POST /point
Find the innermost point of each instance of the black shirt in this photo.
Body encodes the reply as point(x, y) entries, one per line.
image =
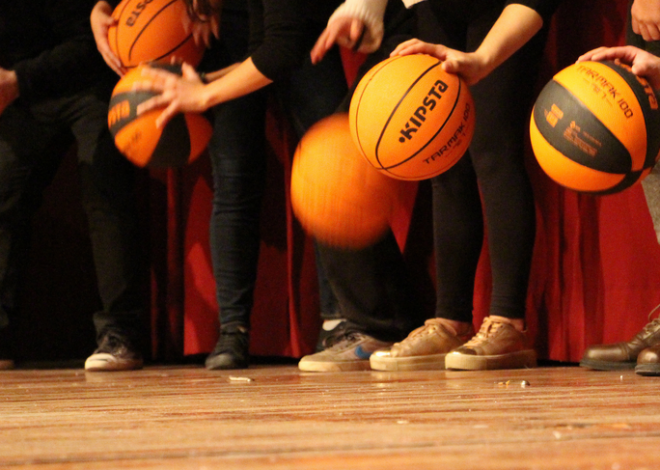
point(49, 43)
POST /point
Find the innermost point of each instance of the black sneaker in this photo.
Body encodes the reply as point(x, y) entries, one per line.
point(231, 351)
point(116, 351)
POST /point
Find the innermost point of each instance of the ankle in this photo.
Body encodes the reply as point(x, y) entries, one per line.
point(517, 323)
point(459, 328)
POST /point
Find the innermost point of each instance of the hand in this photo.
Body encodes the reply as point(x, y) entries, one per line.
point(101, 20)
point(645, 16)
point(344, 31)
point(8, 88)
point(472, 67)
point(177, 94)
point(644, 64)
point(202, 30)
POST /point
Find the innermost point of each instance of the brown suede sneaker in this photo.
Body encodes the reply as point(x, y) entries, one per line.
point(622, 355)
point(497, 345)
point(425, 348)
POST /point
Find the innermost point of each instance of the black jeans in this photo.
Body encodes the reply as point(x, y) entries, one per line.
point(238, 158)
point(33, 140)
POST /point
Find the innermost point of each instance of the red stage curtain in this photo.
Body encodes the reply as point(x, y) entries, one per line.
point(595, 263)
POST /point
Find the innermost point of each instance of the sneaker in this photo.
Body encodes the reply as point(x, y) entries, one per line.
point(116, 352)
point(622, 355)
point(424, 349)
point(231, 351)
point(329, 330)
point(497, 345)
point(350, 351)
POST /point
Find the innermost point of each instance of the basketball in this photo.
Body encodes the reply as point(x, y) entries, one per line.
point(595, 128)
point(338, 197)
point(411, 119)
point(180, 142)
point(152, 31)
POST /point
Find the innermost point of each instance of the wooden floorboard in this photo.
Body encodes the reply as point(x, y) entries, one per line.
point(187, 417)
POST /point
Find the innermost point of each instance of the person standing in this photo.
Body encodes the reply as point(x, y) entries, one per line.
point(642, 352)
point(54, 92)
point(488, 44)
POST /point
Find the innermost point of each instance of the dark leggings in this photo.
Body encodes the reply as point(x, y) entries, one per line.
point(493, 172)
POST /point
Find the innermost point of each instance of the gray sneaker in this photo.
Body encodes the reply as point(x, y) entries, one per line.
point(351, 351)
point(116, 352)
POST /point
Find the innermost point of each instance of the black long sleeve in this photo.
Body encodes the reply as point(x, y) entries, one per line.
point(49, 43)
point(282, 32)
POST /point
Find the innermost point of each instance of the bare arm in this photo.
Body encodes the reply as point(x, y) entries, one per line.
point(188, 94)
point(516, 25)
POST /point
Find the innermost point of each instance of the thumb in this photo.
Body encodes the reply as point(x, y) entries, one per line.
point(188, 72)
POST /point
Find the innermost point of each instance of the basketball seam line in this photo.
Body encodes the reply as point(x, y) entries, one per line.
point(130, 51)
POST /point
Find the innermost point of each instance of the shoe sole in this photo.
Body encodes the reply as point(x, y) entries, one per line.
point(516, 360)
point(430, 362)
point(109, 363)
point(648, 369)
point(317, 366)
point(606, 365)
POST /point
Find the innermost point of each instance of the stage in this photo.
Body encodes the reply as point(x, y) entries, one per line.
point(274, 416)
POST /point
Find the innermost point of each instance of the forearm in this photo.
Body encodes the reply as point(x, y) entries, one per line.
point(516, 25)
point(243, 79)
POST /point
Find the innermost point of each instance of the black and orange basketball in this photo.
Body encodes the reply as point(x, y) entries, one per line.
point(595, 127)
point(152, 31)
point(411, 119)
point(180, 142)
point(338, 197)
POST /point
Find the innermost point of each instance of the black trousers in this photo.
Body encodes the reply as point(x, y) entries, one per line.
point(33, 140)
point(493, 171)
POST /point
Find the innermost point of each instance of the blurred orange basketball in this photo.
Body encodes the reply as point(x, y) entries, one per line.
point(339, 198)
point(152, 31)
point(411, 119)
point(180, 142)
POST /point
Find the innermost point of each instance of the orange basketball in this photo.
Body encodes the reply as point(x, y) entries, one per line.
point(152, 31)
point(339, 198)
point(595, 128)
point(180, 142)
point(411, 119)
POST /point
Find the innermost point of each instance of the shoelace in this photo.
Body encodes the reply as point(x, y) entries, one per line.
point(652, 323)
point(488, 327)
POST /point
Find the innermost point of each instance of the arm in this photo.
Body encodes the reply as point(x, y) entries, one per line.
point(516, 25)
point(644, 64)
point(355, 24)
point(189, 94)
point(101, 20)
point(72, 63)
point(277, 29)
point(8, 88)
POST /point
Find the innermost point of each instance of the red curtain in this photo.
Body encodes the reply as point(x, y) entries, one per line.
point(595, 263)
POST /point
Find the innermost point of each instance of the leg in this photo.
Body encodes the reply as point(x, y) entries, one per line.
point(239, 170)
point(108, 195)
point(497, 152)
point(238, 159)
point(642, 352)
point(27, 165)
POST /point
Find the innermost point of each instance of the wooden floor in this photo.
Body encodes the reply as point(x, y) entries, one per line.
point(278, 417)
